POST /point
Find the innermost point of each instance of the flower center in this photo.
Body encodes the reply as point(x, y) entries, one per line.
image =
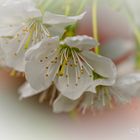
point(68, 61)
point(31, 32)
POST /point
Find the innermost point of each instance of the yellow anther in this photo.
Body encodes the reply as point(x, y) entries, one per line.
point(62, 69)
point(13, 73)
point(26, 46)
point(76, 84)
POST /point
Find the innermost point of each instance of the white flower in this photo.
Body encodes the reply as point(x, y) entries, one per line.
point(23, 25)
point(27, 91)
point(68, 64)
point(126, 87)
point(122, 91)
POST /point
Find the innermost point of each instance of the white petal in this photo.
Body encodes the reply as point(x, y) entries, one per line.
point(52, 19)
point(103, 82)
point(57, 30)
point(119, 95)
point(27, 91)
point(47, 44)
point(73, 91)
point(14, 12)
point(82, 42)
point(9, 47)
point(102, 65)
point(9, 31)
point(36, 74)
point(35, 70)
point(129, 85)
point(63, 104)
point(91, 89)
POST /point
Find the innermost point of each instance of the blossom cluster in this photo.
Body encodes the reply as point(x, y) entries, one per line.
point(63, 69)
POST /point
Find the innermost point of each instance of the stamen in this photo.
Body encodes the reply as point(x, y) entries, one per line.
point(87, 71)
point(50, 64)
point(13, 73)
point(79, 61)
point(33, 31)
point(83, 109)
point(36, 31)
point(76, 77)
point(46, 32)
point(27, 43)
point(73, 58)
point(67, 75)
point(76, 72)
point(86, 62)
point(103, 99)
point(53, 93)
point(57, 71)
point(43, 96)
point(22, 43)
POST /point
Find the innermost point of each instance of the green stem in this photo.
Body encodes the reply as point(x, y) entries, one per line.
point(95, 23)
